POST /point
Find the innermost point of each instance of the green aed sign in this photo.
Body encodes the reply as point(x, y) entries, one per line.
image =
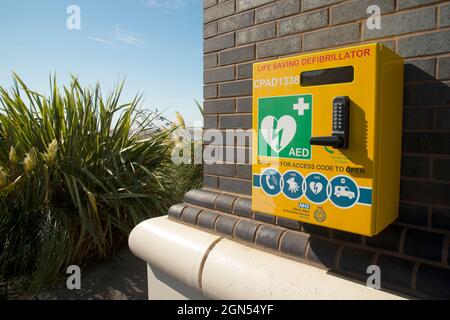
point(285, 126)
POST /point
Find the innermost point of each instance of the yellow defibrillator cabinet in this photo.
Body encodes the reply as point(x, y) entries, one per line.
point(327, 145)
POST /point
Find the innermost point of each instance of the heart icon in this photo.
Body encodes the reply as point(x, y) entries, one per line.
point(278, 133)
point(316, 187)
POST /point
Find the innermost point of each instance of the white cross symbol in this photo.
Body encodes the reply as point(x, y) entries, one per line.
point(301, 106)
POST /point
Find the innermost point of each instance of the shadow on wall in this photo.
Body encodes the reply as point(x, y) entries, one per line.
point(424, 135)
point(426, 113)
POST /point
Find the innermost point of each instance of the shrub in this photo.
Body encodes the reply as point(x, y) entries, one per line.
point(77, 174)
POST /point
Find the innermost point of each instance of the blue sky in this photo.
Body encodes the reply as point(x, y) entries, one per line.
point(155, 44)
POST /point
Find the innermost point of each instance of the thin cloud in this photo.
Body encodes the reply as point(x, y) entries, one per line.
point(100, 40)
point(128, 37)
point(167, 4)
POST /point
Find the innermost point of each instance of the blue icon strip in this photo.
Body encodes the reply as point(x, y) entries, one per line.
point(365, 194)
point(257, 181)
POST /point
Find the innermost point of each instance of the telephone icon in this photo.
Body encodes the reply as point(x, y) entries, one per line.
point(271, 182)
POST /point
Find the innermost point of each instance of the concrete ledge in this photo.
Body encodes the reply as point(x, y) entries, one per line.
point(173, 248)
point(219, 268)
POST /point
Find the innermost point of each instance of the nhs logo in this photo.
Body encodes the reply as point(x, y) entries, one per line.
point(302, 205)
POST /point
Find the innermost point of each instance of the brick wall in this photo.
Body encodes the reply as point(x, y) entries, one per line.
point(237, 33)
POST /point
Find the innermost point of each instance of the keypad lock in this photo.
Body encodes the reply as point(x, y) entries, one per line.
point(341, 120)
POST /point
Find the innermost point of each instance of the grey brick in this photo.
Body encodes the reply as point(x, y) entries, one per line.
point(279, 47)
point(331, 37)
point(388, 239)
point(357, 9)
point(224, 202)
point(243, 207)
point(244, 171)
point(219, 11)
point(236, 55)
point(440, 217)
point(388, 43)
point(355, 260)
point(176, 210)
point(244, 104)
point(190, 215)
point(294, 243)
point(424, 44)
point(225, 224)
point(220, 169)
point(407, 22)
point(347, 236)
point(415, 166)
point(413, 214)
point(423, 244)
point(288, 223)
point(315, 229)
point(303, 22)
point(443, 118)
point(277, 10)
point(236, 22)
point(218, 43)
point(425, 192)
point(395, 270)
point(269, 236)
point(418, 118)
point(209, 60)
point(434, 281)
point(218, 75)
point(312, 4)
point(210, 91)
point(258, 33)
point(420, 70)
point(403, 4)
point(245, 70)
point(235, 185)
point(444, 68)
point(235, 88)
point(210, 122)
point(239, 121)
point(444, 16)
point(242, 5)
point(201, 198)
point(219, 106)
point(246, 229)
point(426, 94)
point(208, 3)
point(265, 217)
point(207, 219)
point(210, 29)
point(210, 181)
point(441, 169)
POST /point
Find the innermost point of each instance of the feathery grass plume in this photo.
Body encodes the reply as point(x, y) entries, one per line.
point(50, 155)
point(13, 156)
point(180, 120)
point(29, 163)
point(3, 178)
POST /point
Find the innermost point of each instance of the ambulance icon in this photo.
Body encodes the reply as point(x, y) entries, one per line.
point(343, 191)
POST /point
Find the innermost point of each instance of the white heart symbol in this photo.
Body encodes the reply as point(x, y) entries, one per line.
point(278, 133)
point(316, 187)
